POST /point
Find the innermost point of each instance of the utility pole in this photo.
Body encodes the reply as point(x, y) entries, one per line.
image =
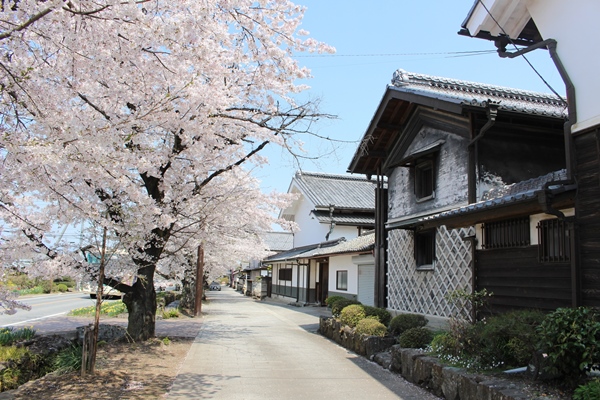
point(199, 280)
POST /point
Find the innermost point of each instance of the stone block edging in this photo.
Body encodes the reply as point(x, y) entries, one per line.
point(421, 369)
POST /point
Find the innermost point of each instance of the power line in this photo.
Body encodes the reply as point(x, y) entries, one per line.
point(447, 53)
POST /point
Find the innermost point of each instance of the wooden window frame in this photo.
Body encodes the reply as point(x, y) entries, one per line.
point(425, 179)
point(285, 275)
point(425, 249)
point(341, 284)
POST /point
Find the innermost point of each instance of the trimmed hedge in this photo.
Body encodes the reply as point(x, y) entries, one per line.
point(381, 314)
point(352, 314)
point(415, 338)
point(371, 327)
point(403, 322)
point(339, 305)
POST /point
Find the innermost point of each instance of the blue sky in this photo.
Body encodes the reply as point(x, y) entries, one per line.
point(375, 38)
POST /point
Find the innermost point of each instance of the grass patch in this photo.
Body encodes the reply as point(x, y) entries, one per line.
point(107, 309)
point(68, 360)
point(9, 335)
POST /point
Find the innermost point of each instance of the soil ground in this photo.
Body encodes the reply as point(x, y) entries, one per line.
point(123, 370)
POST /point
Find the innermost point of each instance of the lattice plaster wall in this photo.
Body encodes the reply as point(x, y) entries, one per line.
point(423, 292)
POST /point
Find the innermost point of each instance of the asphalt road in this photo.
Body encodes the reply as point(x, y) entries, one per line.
point(46, 306)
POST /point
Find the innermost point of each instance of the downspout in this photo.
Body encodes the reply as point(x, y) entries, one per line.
point(492, 113)
point(546, 195)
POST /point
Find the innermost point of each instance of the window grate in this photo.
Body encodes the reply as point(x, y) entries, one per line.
point(506, 234)
point(554, 238)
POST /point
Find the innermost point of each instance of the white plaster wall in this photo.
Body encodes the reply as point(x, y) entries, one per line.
point(311, 231)
point(574, 25)
point(343, 263)
point(451, 176)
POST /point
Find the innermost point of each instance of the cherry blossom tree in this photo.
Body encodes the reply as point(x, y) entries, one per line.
point(142, 117)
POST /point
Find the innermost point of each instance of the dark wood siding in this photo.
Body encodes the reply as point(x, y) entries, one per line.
point(587, 173)
point(518, 280)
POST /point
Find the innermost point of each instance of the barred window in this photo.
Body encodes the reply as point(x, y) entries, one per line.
point(506, 234)
point(554, 240)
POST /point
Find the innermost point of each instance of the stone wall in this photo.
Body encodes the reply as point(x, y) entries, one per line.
point(366, 346)
point(421, 369)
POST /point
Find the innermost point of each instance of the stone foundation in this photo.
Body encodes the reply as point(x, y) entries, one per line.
point(421, 369)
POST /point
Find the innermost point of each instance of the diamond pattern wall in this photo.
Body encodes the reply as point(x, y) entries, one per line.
point(423, 292)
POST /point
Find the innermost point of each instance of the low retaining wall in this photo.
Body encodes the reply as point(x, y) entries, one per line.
point(423, 370)
point(366, 346)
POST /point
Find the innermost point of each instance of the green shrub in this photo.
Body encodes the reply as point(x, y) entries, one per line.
point(571, 339)
point(444, 345)
point(68, 360)
point(403, 322)
point(338, 305)
point(61, 287)
point(509, 338)
point(589, 391)
point(332, 299)
point(371, 327)
point(382, 314)
point(8, 335)
point(33, 290)
point(351, 314)
point(415, 338)
point(171, 313)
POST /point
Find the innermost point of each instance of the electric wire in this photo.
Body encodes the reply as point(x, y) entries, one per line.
point(446, 53)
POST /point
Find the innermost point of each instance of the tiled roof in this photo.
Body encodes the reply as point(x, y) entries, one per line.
point(479, 94)
point(302, 252)
point(342, 191)
point(278, 241)
point(507, 194)
point(345, 219)
point(359, 244)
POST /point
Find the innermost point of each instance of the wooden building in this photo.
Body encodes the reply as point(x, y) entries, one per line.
point(471, 169)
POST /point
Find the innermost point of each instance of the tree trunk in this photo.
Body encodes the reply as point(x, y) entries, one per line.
point(141, 306)
point(188, 287)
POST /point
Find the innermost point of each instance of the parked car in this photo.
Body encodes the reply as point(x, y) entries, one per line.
point(214, 286)
point(107, 292)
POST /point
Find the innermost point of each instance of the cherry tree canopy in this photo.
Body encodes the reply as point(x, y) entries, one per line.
point(140, 117)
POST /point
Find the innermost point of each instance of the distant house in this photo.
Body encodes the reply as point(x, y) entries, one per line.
point(351, 268)
point(275, 242)
point(328, 210)
point(565, 29)
point(298, 277)
point(452, 149)
point(330, 206)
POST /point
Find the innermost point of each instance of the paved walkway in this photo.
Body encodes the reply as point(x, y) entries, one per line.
point(248, 349)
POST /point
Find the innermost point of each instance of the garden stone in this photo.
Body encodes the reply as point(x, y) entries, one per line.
point(396, 365)
point(384, 359)
point(451, 377)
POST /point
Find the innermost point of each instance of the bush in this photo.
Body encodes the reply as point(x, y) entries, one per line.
point(403, 322)
point(68, 360)
point(171, 313)
point(61, 287)
point(371, 327)
point(332, 299)
point(338, 305)
point(589, 391)
point(571, 339)
point(509, 338)
point(382, 314)
point(415, 338)
point(352, 314)
point(8, 335)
